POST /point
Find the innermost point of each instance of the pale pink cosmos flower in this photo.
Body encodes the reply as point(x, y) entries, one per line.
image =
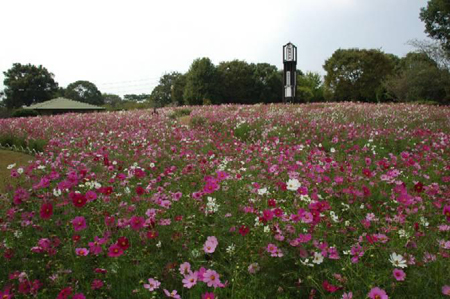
point(81, 251)
point(211, 278)
point(399, 274)
point(190, 280)
point(185, 268)
point(210, 244)
point(172, 294)
point(348, 295)
point(152, 284)
point(446, 290)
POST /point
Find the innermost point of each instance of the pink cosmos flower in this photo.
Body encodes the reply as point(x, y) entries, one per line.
point(96, 284)
point(137, 222)
point(377, 293)
point(211, 278)
point(446, 212)
point(399, 274)
point(172, 294)
point(152, 284)
point(81, 251)
point(79, 296)
point(208, 296)
point(115, 251)
point(190, 280)
point(46, 211)
point(185, 268)
point(91, 195)
point(79, 223)
point(446, 290)
point(348, 295)
point(210, 244)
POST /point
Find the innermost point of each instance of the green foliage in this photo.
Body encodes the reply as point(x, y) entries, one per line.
point(236, 81)
point(268, 83)
point(436, 17)
point(419, 78)
point(201, 82)
point(111, 99)
point(357, 75)
point(162, 94)
point(137, 97)
point(180, 113)
point(198, 121)
point(177, 89)
point(23, 144)
point(27, 85)
point(310, 88)
point(84, 91)
point(24, 113)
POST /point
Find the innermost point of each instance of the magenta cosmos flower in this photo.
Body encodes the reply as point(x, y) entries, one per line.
point(446, 212)
point(446, 290)
point(46, 211)
point(79, 223)
point(377, 293)
point(399, 274)
point(208, 296)
point(115, 250)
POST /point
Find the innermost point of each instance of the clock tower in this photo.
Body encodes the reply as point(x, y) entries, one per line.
point(289, 73)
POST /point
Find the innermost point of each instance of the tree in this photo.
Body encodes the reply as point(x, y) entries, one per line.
point(137, 97)
point(268, 83)
point(357, 75)
point(111, 99)
point(27, 85)
point(201, 83)
point(84, 91)
point(162, 94)
point(310, 87)
point(236, 82)
point(434, 51)
point(177, 89)
point(419, 79)
point(436, 17)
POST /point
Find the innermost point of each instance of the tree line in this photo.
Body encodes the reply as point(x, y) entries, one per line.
point(367, 75)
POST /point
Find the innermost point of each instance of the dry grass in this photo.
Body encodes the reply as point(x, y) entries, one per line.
point(185, 120)
point(7, 158)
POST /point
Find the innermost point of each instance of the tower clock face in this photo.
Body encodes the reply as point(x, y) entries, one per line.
point(290, 53)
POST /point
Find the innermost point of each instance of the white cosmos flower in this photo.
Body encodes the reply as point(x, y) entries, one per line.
point(11, 166)
point(397, 260)
point(293, 184)
point(262, 191)
point(318, 258)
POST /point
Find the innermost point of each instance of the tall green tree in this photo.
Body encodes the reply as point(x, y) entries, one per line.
point(236, 82)
point(418, 78)
point(26, 84)
point(84, 91)
point(268, 83)
point(177, 89)
point(201, 83)
point(436, 17)
point(162, 94)
point(310, 87)
point(357, 75)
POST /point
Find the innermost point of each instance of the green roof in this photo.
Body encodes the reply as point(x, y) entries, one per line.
point(63, 104)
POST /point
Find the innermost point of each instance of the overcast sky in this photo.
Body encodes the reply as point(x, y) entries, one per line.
point(125, 46)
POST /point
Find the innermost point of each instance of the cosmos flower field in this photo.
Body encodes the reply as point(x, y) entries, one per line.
point(341, 200)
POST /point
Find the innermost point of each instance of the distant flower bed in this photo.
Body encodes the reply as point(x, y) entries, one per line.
point(268, 201)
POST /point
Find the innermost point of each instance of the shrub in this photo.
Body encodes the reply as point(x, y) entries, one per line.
point(24, 113)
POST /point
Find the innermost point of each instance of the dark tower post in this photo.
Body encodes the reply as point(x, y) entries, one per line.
point(290, 72)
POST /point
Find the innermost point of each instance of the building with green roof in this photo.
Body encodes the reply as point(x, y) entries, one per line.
point(63, 105)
